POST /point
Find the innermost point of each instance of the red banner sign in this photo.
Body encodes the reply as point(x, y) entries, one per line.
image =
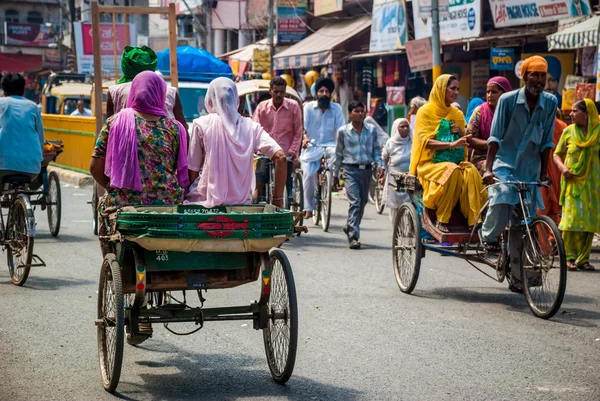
point(30, 35)
point(107, 43)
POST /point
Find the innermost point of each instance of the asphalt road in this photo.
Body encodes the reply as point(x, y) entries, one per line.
point(460, 336)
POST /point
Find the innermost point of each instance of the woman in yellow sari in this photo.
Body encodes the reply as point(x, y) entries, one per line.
point(444, 182)
point(576, 156)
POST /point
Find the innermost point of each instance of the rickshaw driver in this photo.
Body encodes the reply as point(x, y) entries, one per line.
point(519, 149)
point(21, 131)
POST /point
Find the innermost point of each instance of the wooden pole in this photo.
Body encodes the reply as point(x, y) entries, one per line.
point(97, 67)
point(115, 40)
point(173, 46)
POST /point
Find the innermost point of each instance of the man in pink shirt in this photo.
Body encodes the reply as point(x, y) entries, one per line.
point(282, 119)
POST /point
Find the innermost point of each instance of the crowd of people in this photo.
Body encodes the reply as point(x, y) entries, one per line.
point(144, 154)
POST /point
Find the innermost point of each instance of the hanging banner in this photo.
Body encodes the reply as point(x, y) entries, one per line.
point(388, 27)
point(261, 60)
point(84, 46)
point(420, 57)
point(463, 21)
point(525, 12)
point(323, 7)
point(502, 59)
point(291, 21)
point(28, 35)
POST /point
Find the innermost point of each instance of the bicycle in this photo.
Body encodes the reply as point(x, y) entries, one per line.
point(322, 212)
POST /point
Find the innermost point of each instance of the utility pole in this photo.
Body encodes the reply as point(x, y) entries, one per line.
point(209, 40)
point(271, 36)
point(72, 15)
point(197, 26)
point(435, 40)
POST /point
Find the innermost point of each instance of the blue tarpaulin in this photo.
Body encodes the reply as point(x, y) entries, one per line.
point(194, 64)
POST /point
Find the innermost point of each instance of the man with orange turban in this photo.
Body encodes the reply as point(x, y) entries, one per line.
point(518, 150)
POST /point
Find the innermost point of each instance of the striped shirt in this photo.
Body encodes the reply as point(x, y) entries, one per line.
point(355, 148)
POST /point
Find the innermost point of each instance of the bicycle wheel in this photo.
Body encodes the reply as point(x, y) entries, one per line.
point(372, 186)
point(53, 203)
point(110, 322)
point(406, 248)
point(95, 222)
point(379, 200)
point(281, 334)
point(544, 267)
point(20, 232)
point(326, 200)
point(298, 197)
point(317, 211)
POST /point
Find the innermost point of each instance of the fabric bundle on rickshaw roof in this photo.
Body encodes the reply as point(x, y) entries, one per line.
point(136, 60)
point(194, 64)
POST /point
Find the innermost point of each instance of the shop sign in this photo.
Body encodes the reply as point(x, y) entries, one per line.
point(109, 45)
point(463, 21)
point(395, 96)
point(323, 7)
point(526, 12)
point(388, 28)
point(261, 60)
point(420, 57)
point(51, 58)
point(28, 35)
point(291, 21)
point(502, 59)
point(424, 8)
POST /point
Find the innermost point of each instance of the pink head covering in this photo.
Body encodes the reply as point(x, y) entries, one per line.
point(147, 95)
point(486, 112)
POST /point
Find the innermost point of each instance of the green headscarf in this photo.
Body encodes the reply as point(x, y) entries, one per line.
point(136, 60)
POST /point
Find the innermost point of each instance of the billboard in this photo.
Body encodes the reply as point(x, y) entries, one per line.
point(388, 27)
point(525, 12)
point(28, 35)
point(463, 21)
point(291, 21)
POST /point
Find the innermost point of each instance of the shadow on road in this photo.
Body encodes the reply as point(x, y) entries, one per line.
point(223, 378)
point(49, 284)
point(47, 238)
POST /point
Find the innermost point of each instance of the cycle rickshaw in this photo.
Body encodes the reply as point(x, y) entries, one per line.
point(157, 250)
point(20, 196)
point(532, 250)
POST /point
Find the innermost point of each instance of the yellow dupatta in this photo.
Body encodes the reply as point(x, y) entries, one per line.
point(428, 120)
point(581, 167)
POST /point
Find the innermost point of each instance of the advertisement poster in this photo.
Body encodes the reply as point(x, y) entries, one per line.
point(502, 59)
point(588, 61)
point(525, 12)
point(84, 46)
point(419, 54)
point(323, 7)
point(462, 72)
point(261, 60)
point(480, 74)
point(560, 65)
point(28, 35)
point(463, 21)
point(395, 96)
point(291, 21)
point(388, 28)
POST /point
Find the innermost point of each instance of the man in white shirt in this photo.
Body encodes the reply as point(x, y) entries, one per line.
point(81, 110)
point(322, 119)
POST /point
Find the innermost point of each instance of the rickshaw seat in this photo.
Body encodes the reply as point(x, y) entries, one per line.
point(16, 179)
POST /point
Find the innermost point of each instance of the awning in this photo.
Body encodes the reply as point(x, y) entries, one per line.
point(13, 62)
point(377, 54)
point(245, 53)
point(317, 49)
point(584, 34)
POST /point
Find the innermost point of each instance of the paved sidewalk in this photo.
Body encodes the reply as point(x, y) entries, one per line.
point(72, 177)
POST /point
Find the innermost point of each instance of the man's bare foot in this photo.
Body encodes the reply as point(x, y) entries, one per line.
point(442, 227)
point(308, 215)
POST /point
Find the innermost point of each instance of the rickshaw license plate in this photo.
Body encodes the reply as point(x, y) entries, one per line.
point(197, 281)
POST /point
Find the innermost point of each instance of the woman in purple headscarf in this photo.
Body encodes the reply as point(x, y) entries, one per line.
point(140, 156)
point(480, 124)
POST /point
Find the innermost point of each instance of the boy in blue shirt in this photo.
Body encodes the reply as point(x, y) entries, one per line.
point(21, 131)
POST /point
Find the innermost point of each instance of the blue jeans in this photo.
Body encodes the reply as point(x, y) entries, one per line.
point(357, 183)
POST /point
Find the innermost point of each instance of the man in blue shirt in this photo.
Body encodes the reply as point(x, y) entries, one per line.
point(21, 131)
point(356, 150)
point(519, 149)
point(321, 122)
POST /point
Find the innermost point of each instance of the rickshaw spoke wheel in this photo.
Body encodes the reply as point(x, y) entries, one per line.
point(544, 268)
point(53, 203)
point(281, 334)
point(406, 248)
point(110, 322)
point(20, 240)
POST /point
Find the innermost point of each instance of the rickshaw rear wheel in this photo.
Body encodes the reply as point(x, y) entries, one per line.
point(95, 221)
point(544, 268)
point(281, 334)
point(110, 322)
point(407, 248)
point(20, 238)
point(53, 203)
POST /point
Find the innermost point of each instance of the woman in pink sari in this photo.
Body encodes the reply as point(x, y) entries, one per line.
point(140, 156)
point(222, 148)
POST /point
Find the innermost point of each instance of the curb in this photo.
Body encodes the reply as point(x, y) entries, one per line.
point(72, 177)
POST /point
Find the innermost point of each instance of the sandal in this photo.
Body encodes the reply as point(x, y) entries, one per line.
point(571, 266)
point(587, 267)
point(442, 227)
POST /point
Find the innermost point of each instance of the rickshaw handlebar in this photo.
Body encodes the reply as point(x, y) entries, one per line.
point(519, 184)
